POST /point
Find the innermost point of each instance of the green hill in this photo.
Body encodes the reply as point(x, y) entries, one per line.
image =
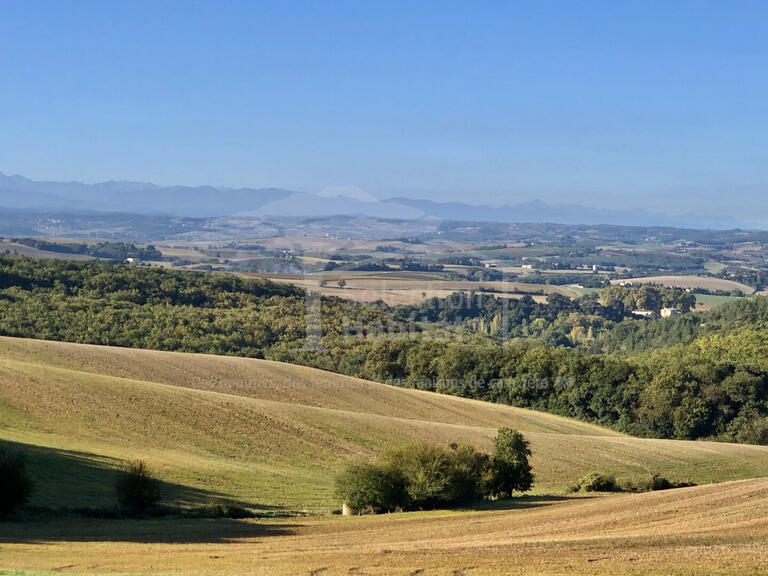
point(273, 435)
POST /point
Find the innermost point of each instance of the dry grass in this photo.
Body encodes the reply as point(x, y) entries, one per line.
point(720, 529)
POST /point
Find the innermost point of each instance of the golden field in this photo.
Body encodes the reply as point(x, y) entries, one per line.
point(716, 529)
point(271, 436)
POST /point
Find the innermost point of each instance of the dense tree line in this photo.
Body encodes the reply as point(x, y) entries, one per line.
point(108, 250)
point(649, 297)
point(157, 308)
point(716, 387)
point(632, 336)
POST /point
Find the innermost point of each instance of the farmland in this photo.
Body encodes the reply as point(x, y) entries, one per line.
point(719, 529)
point(397, 288)
point(249, 426)
point(400, 263)
point(270, 436)
point(692, 282)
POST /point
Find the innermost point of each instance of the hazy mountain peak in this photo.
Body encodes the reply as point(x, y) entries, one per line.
point(347, 191)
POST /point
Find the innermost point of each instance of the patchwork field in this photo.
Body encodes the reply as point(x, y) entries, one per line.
point(271, 436)
point(702, 282)
point(410, 287)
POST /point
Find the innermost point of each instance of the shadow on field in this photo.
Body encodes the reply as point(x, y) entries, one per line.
point(522, 502)
point(69, 482)
point(142, 531)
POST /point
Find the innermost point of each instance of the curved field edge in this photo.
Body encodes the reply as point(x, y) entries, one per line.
point(272, 435)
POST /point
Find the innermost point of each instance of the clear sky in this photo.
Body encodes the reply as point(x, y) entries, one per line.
point(662, 104)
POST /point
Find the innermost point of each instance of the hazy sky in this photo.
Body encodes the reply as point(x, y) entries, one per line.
point(663, 104)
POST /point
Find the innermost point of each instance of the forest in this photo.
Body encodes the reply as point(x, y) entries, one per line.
point(691, 376)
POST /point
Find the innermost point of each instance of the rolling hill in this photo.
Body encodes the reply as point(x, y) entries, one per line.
point(273, 435)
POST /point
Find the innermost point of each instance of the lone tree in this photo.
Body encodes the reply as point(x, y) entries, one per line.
point(16, 485)
point(510, 469)
point(137, 490)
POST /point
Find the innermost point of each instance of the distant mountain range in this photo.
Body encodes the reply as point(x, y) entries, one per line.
point(17, 192)
point(133, 197)
point(537, 211)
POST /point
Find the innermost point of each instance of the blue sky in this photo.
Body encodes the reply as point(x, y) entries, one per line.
point(656, 104)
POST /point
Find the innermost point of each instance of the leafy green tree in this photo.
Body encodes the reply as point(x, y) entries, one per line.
point(510, 469)
point(386, 359)
point(750, 429)
point(648, 298)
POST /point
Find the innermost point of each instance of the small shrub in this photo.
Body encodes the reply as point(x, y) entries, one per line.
point(137, 490)
point(222, 510)
point(596, 482)
point(655, 482)
point(16, 484)
point(659, 482)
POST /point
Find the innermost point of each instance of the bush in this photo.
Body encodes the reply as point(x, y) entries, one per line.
point(16, 484)
point(137, 490)
point(223, 510)
point(419, 476)
point(659, 482)
point(596, 482)
point(374, 488)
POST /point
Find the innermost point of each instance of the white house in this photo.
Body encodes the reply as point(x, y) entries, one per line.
point(667, 312)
